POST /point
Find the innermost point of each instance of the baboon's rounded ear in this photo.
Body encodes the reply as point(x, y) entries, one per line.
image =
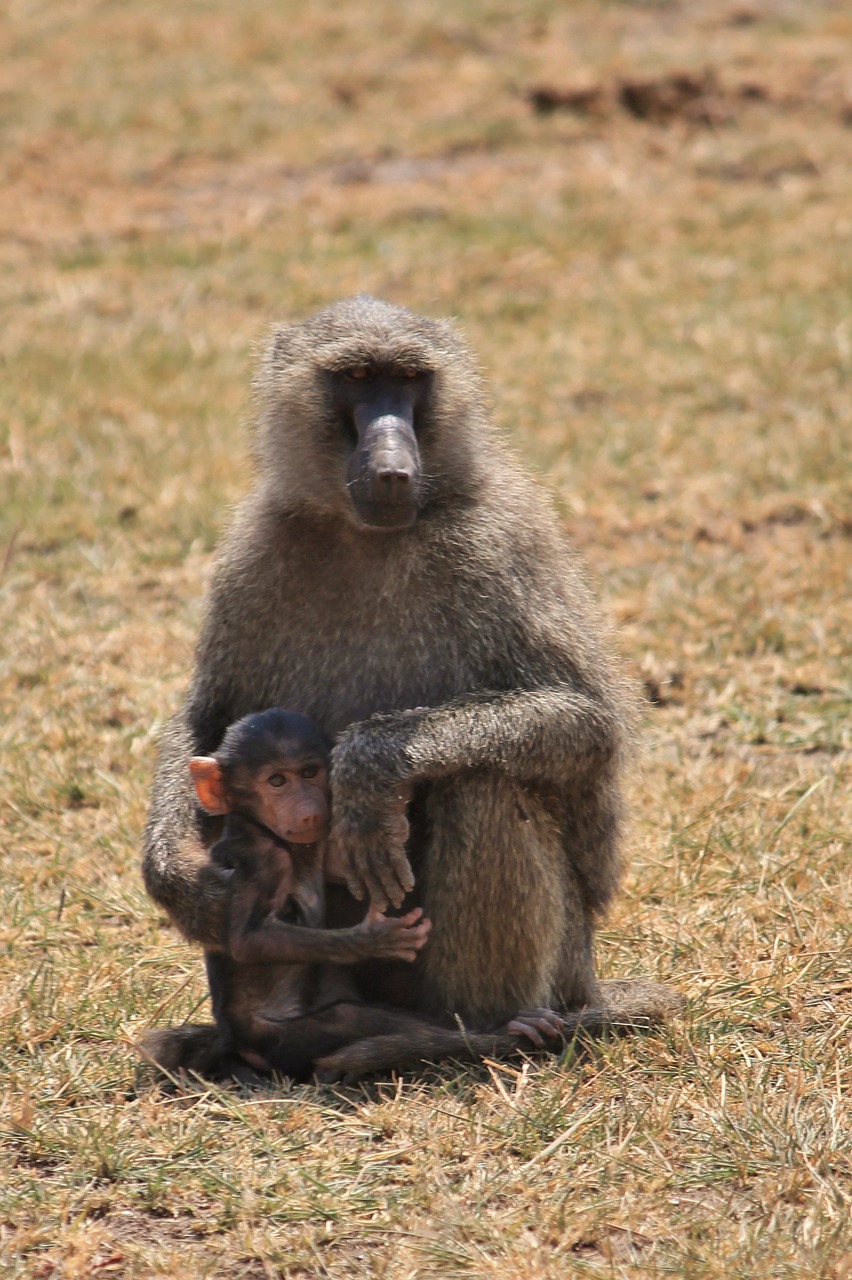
point(209, 784)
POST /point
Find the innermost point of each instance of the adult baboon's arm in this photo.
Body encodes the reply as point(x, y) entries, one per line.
point(177, 868)
point(546, 737)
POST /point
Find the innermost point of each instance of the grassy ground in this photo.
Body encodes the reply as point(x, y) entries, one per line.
point(657, 275)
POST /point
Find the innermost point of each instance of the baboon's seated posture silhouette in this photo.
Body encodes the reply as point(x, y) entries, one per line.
point(396, 577)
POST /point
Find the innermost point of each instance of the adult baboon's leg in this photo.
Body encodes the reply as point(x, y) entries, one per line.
point(494, 889)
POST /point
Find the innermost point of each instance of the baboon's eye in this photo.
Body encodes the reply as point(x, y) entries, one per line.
point(276, 780)
point(358, 371)
point(310, 770)
point(410, 373)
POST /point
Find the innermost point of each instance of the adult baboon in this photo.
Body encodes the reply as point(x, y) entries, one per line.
point(396, 577)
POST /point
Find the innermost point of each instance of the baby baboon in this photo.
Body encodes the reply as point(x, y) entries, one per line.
point(281, 999)
point(396, 577)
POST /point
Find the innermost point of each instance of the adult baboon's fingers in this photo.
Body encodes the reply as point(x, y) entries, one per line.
point(341, 857)
point(400, 868)
point(387, 877)
point(365, 884)
point(357, 886)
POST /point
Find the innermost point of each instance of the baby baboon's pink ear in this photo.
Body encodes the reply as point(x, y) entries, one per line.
point(209, 784)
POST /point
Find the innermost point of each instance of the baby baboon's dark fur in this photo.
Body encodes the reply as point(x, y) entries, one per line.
point(454, 650)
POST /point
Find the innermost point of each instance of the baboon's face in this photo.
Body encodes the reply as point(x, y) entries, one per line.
point(288, 792)
point(380, 411)
point(370, 413)
point(289, 795)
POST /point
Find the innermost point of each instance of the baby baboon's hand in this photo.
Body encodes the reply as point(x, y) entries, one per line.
point(394, 937)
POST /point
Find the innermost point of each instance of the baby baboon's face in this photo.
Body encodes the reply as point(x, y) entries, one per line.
point(290, 796)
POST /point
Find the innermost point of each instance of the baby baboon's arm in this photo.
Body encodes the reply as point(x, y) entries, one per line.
point(273, 941)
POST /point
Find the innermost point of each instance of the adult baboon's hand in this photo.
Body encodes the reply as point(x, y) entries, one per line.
point(369, 829)
point(370, 848)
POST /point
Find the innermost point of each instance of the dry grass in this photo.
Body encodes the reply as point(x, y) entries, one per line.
point(662, 307)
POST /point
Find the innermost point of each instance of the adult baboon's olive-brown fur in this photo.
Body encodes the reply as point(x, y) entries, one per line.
point(461, 656)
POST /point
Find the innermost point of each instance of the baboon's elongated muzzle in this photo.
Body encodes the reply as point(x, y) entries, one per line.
point(383, 478)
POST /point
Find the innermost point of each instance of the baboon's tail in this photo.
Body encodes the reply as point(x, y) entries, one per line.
point(192, 1047)
point(634, 1003)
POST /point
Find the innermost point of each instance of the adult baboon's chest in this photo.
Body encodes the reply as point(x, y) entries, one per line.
point(380, 635)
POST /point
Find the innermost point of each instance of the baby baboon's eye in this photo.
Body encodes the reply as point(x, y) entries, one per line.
point(310, 771)
point(276, 780)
